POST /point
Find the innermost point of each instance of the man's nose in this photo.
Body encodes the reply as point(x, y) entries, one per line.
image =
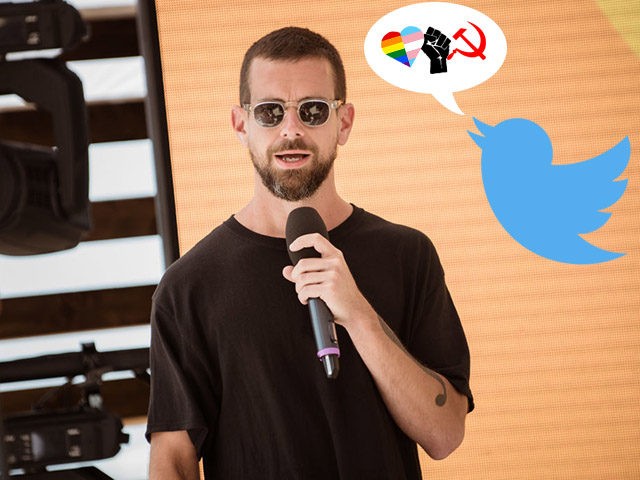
point(291, 124)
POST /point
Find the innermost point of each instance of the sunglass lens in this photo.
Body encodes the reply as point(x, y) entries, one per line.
point(268, 114)
point(314, 112)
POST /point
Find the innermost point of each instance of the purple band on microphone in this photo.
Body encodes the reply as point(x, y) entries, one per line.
point(329, 351)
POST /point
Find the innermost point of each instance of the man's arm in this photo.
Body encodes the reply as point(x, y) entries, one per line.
point(423, 404)
point(173, 457)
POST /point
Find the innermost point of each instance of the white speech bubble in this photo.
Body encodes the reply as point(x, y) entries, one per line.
point(465, 68)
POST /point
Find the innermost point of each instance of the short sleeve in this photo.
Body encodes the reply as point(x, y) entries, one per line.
point(175, 400)
point(437, 338)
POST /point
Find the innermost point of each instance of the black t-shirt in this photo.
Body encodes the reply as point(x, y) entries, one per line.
point(233, 358)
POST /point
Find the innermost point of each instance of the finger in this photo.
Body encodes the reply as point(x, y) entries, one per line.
point(287, 273)
point(428, 36)
point(306, 280)
point(309, 265)
point(310, 291)
point(312, 240)
point(432, 49)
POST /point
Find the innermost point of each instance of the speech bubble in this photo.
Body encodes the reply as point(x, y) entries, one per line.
point(465, 42)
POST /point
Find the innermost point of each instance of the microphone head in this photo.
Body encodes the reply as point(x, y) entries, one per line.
point(301, 221)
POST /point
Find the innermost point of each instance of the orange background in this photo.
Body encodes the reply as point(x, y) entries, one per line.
point(555, 347)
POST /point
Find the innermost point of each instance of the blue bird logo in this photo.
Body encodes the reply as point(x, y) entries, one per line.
point(546, 207)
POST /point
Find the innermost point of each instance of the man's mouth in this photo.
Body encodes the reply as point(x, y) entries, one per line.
point(292, 157)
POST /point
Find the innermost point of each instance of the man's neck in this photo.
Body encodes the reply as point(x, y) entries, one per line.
point(267, 214)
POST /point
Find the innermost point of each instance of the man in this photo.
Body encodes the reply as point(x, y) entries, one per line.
point(235, 380)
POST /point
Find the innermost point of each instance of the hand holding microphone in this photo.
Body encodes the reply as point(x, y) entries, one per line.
point(302, 221)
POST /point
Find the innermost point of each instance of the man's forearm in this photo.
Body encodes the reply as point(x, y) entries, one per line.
point(423, 404)
point(171, 472)
point(173, 457)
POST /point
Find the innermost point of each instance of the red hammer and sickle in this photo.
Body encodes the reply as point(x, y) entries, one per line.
point(476, 51)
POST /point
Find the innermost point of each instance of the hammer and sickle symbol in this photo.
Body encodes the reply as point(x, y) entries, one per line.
point(476, 51)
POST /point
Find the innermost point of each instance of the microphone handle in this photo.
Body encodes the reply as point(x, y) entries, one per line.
point(324, 331)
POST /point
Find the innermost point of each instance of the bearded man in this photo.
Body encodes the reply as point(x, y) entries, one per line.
point(234, 378)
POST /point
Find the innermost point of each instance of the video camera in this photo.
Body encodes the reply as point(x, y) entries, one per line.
point(44, 202)
point(68, 433)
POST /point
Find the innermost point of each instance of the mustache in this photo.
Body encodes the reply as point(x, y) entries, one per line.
point(297, 144)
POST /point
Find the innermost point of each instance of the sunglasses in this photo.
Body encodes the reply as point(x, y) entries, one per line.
point(312, 112)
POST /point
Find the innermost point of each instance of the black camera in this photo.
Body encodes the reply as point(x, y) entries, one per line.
point(44, 189)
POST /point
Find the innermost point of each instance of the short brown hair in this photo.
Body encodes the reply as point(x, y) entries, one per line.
point(293, 43)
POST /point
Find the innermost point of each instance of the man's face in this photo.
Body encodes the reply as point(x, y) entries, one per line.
point(292, 159)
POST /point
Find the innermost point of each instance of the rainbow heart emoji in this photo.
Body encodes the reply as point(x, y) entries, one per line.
point(403, 46)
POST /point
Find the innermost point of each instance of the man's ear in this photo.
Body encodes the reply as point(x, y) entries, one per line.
point(346, 114)
point(239, 123)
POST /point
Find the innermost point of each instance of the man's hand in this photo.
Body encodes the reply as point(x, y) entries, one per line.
point(436, 47)
point(327, 277)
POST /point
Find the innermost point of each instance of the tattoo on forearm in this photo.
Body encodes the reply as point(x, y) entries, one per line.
point(441, 398)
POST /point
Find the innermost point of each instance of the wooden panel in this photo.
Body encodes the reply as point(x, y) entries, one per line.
point(66, 312)
point(125, 398)
point(122, 218)
point(110, 38)
point(115, 121)
point(108, 122)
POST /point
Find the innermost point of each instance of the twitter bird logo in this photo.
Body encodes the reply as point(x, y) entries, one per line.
point(546, 207)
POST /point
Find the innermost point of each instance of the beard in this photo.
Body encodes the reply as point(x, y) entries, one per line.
point(295, 184)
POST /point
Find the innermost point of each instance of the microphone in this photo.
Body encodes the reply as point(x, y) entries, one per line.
point(301, 221)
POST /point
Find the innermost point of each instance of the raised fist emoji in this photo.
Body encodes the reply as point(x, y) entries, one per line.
point(436, 47)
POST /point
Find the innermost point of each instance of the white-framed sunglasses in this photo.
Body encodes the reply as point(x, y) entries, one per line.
point(312, 112)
